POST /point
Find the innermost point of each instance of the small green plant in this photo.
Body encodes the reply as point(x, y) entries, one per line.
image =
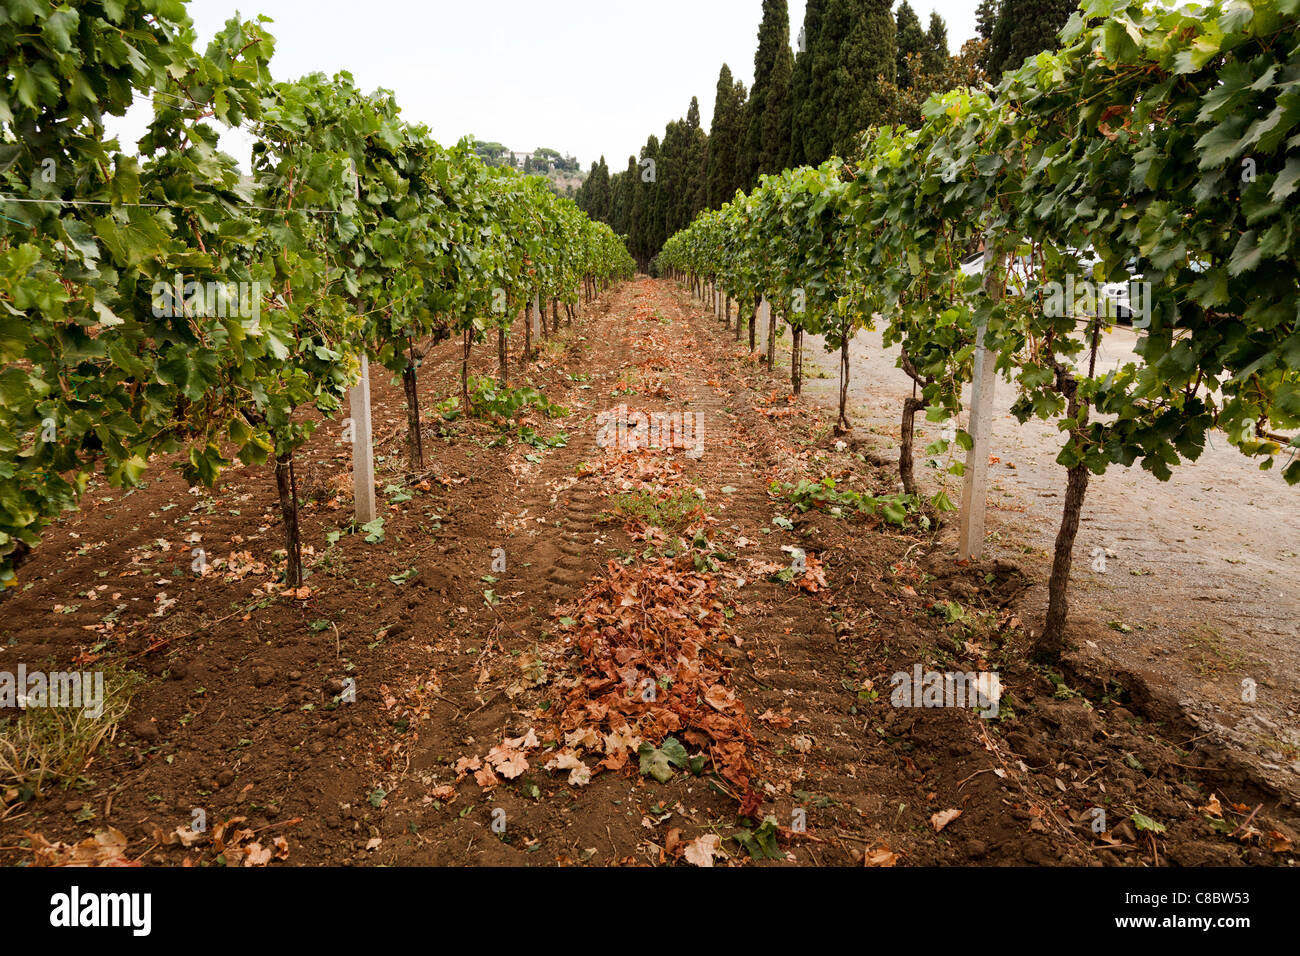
point(449, 409)
point(673, 512)
point(824, 495)
point(488, 399)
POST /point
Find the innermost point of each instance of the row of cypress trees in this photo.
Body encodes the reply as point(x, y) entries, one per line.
point(855, 65)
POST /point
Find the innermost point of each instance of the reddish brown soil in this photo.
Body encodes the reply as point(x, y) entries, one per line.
point(238, 712)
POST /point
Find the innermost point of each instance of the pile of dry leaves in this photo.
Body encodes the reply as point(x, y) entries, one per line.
point(639, 470)
point(643, 666)
point(648, 665)
point(105, 848)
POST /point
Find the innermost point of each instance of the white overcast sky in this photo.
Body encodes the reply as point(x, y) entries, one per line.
point(584, 77)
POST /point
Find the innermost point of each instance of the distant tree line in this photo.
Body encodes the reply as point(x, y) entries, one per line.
point(857, 65)
point(540, 161)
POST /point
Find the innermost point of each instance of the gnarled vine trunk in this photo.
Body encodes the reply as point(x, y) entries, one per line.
point(464, 371)
point(503, 358)
point(911, 405)
point(1051, 645)
point(286, 484)
point(906, 466)
point(414, 437)
point(796, 359)
point(1049, 648)
point(842, 423)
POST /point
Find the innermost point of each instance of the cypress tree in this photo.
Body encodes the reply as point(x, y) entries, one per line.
point(696, 192)
point(986, 18)
point(910, 40)
point(779, 109)
point(672, 181)
point(636, 214)
point(936, 55)
point(598, 191)
point(1025, 28)
point(623, 190)
point(724, 140)
point(804, 115)
point(828, 71)
point(583, 196)
point(645, 239)
point(738, 178)
point(767, 141)
point(867, 56)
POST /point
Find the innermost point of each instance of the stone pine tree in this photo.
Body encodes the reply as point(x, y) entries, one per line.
point(866, 58)
point(910, 40)
point(767, 140)
point(1025, 28)
point(935, 57)
point(724, 139)
point(804, 114)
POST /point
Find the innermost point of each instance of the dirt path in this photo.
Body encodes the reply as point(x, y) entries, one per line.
point(1199, 589)
point(566, 651)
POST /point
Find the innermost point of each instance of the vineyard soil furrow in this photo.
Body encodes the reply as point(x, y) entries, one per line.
point(458, 625)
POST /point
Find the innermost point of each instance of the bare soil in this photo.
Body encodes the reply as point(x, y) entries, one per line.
point(1183, 590)
point(470, 680)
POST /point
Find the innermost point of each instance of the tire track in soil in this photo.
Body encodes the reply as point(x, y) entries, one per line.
point(555, 547)
point(782, 673)
point(863, 784)
point(874, 775)
point(547, 525)
point(548, 522)
point(780, 667)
